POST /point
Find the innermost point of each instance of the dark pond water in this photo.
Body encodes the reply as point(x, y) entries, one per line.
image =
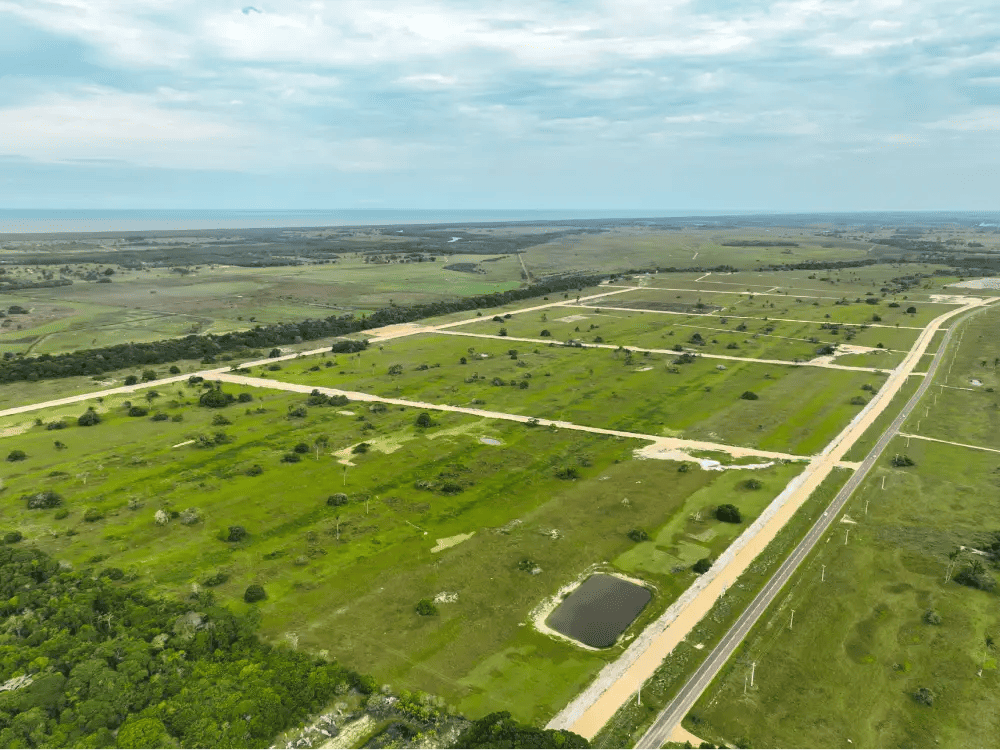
point(599, 610)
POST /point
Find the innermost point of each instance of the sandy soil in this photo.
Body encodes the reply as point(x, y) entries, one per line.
point(451, 541)
point(949, 442)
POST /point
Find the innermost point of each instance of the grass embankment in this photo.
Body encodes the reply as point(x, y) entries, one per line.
point(632, 720)
point(861, 637)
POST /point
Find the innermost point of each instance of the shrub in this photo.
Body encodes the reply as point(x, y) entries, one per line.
point(216, 398)
point(216, 579)
point(728, 513)
point(16, 455)
point(44, 499)
point(236, 534)
point(254, 593)
point(92, 515)
point(753, 484)
point(901, 460)
point(138, 411)
point(684, 468)
point(254, 471)
point(244, 398)
point(568, 472)
point(545, 332)
point(451, 488)
point(195, 379)
point(131, 380)
point(932, 618)
point(148, 375)
point(175, 370)
point(159, 417)
point(60, 514)
point(291, 458)
point(301, 448)
point(749, 396)
point(12, 537)
point(976, 576)
point(190, 516)
point(177, 418)
point(424, 419)
point(57, 425)
point(89, 418)
point(858, 401)
point(638, 535)
point(911, 310)
point(702, 565)
point(360, 448)
point(924, 696)
point(297, 412)
point(502, 332)
point(115, 574)
point(426, 607)
point(337, 499)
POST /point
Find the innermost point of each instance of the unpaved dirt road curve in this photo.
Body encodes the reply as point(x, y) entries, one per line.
point(619, 681)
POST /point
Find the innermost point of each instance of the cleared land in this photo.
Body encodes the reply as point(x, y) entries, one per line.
point(885, 617)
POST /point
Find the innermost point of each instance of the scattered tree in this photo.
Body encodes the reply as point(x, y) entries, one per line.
point(426, 607)
point(254, 593)
point(702, 565)
point(749, 396)
point(728, 513)
point(236, 534)
point(16, 455)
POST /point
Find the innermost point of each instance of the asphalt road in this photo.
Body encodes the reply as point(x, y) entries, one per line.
point(675, 711)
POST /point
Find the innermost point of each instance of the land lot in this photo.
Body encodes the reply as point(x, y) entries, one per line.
point(345, 578)
point(859, 636)
point(878, 612)
point(605, 388)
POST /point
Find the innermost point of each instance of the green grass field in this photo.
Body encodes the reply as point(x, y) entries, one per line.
point(859, 637)
point(345, 579)
point(862, 636)
point(604, 388)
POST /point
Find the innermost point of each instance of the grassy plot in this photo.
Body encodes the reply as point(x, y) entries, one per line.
point(758, 338)
point(156, 499)
point(883, 624)
point(798, 409)
point(844, 310)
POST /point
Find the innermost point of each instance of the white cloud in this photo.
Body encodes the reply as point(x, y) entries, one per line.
point(428, 81)
point(982, 119)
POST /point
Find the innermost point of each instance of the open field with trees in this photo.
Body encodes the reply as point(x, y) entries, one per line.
point(418, 545)
point(172, 494)
point(607, 388)
point(900, 618)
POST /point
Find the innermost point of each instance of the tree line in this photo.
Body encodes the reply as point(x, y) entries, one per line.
point(96, 361)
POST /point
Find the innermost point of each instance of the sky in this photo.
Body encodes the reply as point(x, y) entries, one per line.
point(800, 105)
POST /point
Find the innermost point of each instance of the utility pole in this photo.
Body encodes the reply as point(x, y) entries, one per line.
point(847, 533)
point(792, 620)
point(883, 481)
point(866, 506)
point(744, 684)
point(822, 573)
point(345, 475)
point(753, 667)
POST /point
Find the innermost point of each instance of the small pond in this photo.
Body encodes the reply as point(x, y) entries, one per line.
point(599, 610)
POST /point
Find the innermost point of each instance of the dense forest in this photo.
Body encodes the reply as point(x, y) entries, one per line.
point(88, 660)
point(15, 368)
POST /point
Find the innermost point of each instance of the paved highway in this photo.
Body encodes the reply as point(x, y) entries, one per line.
point(674, 712)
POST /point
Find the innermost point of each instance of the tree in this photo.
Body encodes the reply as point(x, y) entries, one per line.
point(254, 593)
point(728, 513)
point(337, 499)
point(131, 380)
point(138, 411)
point(924, 696)
point(499, 730)
point(545, 332)
point(175, 370)
point(301, 448)
point(424, 420)
point(426, 607)
point(148, 375)
point(12, 537)
point(749, 396)
point(16, 455)
point(274, 353)
point(911, 310)
point(291, 458)
point(144, 733)
point(702, 566)
point(236, 534)
point(396, 370)
point(321, 443)
point(502, 332)
point(638, 535)
point(215, 398)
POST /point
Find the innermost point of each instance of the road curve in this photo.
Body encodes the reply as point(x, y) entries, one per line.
point(674, 712)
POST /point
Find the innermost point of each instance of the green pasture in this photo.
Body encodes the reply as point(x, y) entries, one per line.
point(799, 409)
point(345, 579)
point(871, 436)
point(820, 309)
point(861, 636)
point(732, 336)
